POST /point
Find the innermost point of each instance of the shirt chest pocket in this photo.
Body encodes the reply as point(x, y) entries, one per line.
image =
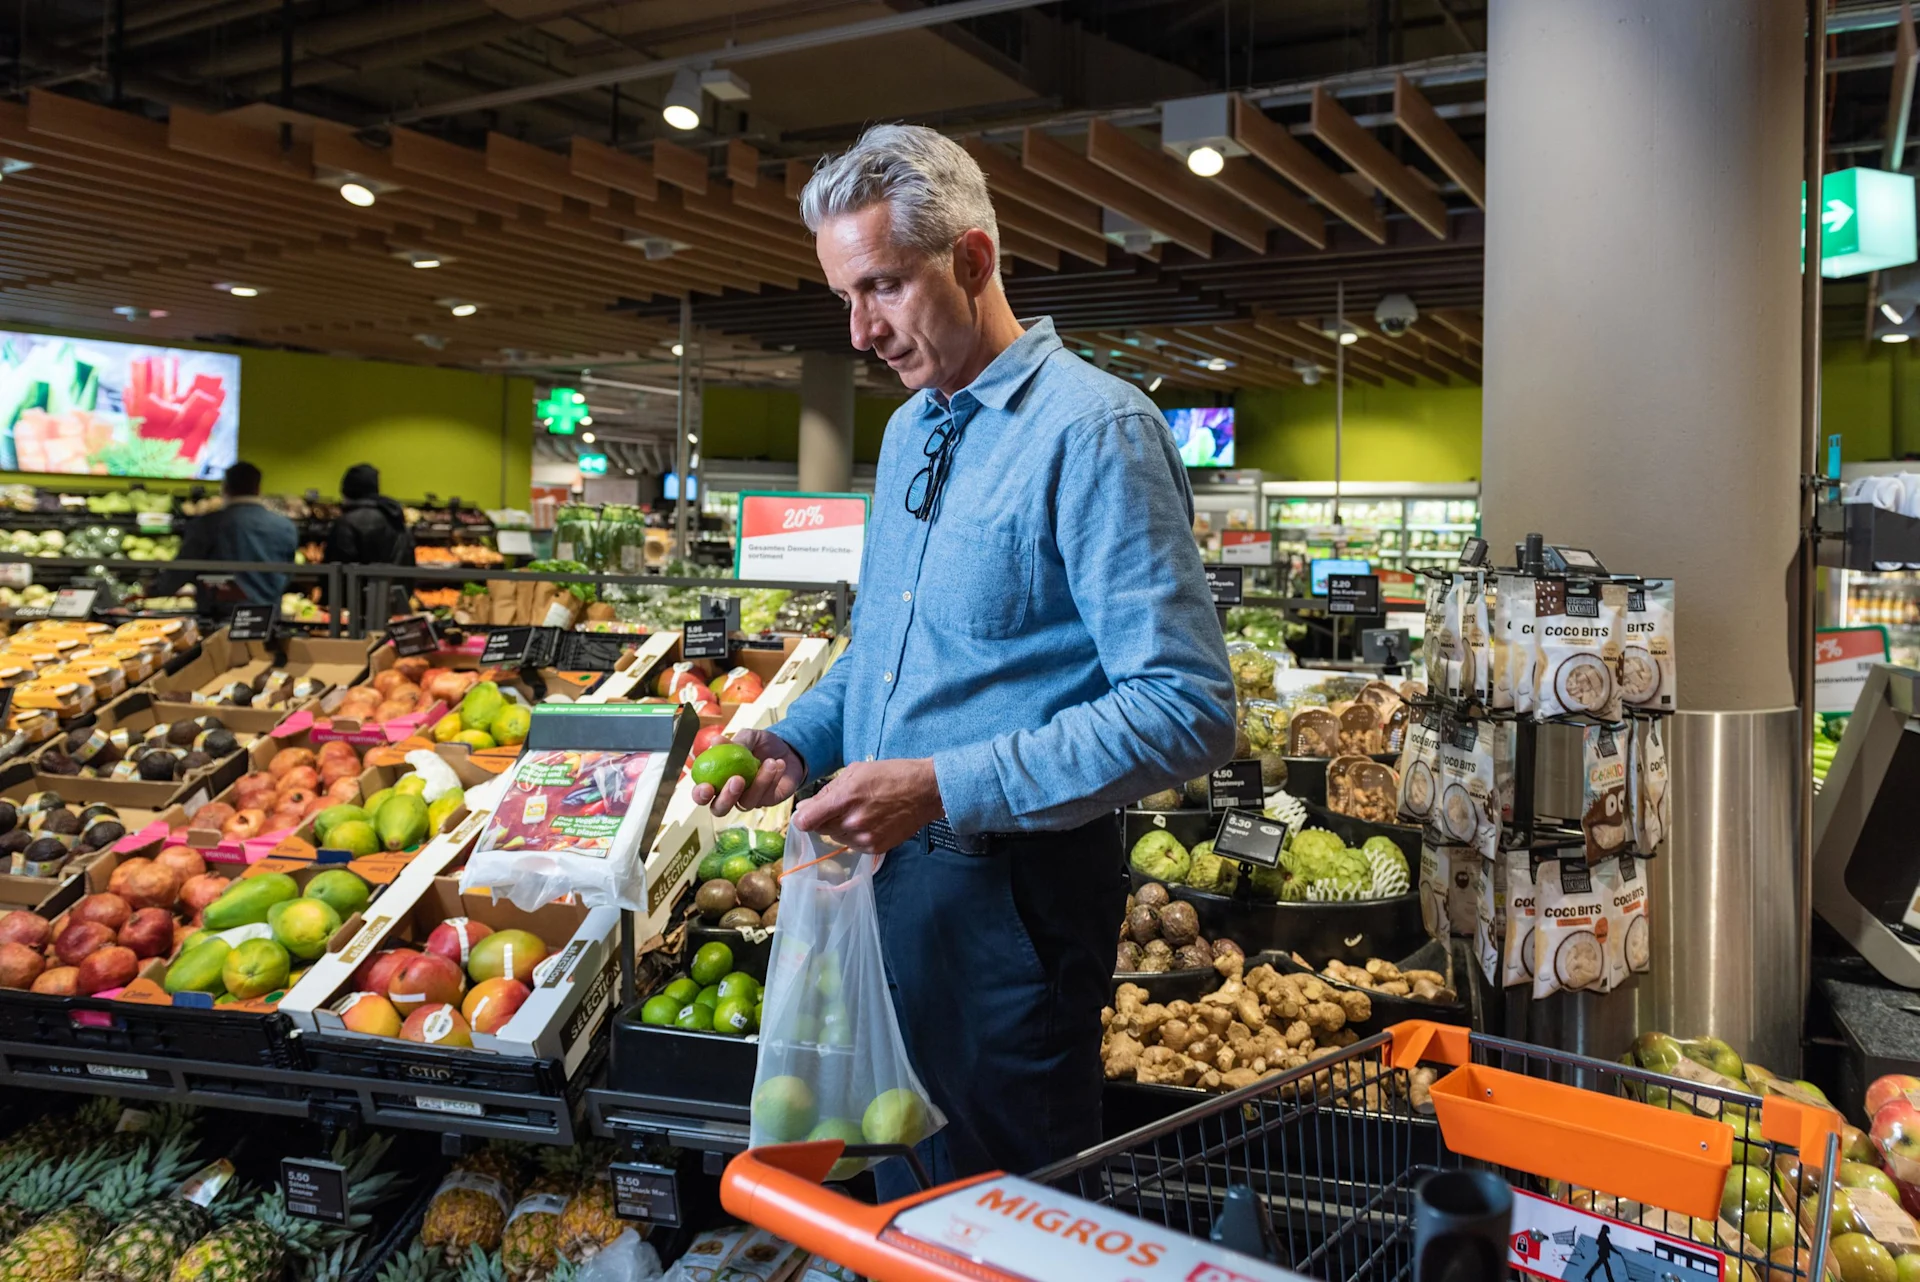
point(976, 581)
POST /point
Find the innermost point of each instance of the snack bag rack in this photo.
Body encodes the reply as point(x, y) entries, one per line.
point(1312, 1172)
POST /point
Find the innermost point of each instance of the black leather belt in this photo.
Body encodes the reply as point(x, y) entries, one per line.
point(940, 835)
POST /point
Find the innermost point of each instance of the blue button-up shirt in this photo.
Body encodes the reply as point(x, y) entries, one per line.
point(1048, 638)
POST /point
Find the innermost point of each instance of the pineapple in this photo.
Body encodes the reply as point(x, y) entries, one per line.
point(477, 1264)
point(588, 1223)
point(57, 1248)
point(470, 1207)
point(54, 1249)
point(39, 1189)
point(145, 1247)
point(418, 1263)
point(244, 1251)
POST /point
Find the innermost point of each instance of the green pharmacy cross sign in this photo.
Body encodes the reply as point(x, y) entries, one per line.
point(1866, 222)
point(562, 411)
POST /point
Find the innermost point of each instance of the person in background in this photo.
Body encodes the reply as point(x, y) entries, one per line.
point(242, 529)
point(371, 528)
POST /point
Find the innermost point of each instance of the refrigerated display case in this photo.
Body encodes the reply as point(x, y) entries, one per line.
point(1888, 598)
point(1396, 526)
point(1229, 501)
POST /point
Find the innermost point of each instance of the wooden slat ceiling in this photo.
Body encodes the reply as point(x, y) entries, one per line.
point(579, 254)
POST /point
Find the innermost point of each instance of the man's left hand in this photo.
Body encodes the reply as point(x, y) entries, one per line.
point(873, 806)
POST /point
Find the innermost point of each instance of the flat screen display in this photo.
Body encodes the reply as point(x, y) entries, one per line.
point(1323, 566)
point(83, 407)
point(1205, 436)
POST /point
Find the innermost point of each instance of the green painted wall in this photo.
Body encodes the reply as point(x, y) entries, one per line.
point(305, 419)
point(755, 423)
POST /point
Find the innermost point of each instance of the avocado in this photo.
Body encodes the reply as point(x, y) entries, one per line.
point(237, 695)
point(217, 743)
point(61, 823)
point(54, 761)
point(158, 767)
point(9, 817)
point(38, 801)
point(14, 840)
point(97, 811)
point(102, 833)
point(44, 850)
point(198, 759)
point(180, 734)
point(209, 723)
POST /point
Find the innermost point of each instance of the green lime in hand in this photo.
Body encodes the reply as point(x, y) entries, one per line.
point(724, 761)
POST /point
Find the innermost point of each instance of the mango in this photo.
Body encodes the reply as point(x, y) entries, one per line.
point(478, 740)
point(248, 900)
point(197, 969)
point(355, 836)
point(444, 806)
point(481, 706)
point(509, 726)
point(333, 816)
point(255, 968)
point(303, 926)
point(447, 727)
point(402, 823)
point(341, 890)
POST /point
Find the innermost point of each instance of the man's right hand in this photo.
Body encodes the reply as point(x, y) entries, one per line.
point(780, 776)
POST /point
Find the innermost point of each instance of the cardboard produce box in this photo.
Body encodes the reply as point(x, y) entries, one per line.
point(571, 999)
point(134, 713)
point(223, 661)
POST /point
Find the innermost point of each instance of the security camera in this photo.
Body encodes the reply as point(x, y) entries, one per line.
point(1395, 315)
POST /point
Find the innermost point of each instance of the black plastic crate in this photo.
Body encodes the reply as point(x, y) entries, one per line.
point(683, 1070)
point(391, 1060)
point(36, 1021)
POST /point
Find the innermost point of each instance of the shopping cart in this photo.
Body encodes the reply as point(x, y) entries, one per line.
point(1328, 1156)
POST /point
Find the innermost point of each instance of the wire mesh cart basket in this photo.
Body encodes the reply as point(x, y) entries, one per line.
point(1314, 1171)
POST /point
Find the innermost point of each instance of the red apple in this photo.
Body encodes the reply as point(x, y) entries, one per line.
point(437, 1025)
point(492, 1003)
point(23, 927)
point(1885, 1089)
point(73, 944)
point(149, 933)
point(109, 909)
point(426, 979)
point(369, 1013)
point(1896, 1130)
point(112, 967)
point(455, 937)
point(375, 974)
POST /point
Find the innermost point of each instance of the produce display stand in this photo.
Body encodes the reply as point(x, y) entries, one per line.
point(1315, 1169)
point(332, 577)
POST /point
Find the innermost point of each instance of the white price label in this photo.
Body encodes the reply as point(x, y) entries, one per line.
point(117, 1071)
point(515, 543)
point(16, 574)
point(457, 1107)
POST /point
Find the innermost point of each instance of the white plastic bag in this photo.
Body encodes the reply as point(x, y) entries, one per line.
point(832, 1062)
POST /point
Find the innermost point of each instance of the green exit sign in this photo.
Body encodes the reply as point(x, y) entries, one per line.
point(593, 465)
point(562, 411)
point(1866, 222)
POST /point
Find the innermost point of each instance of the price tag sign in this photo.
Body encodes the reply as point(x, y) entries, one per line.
point(154, 520)
point(253, 622)
point(590, 651)
point(1473, 553)
point(1235, 786)
point(16, 574)
point(1246, 547)
point(1843, 659)
point(1565, 560)
point(1227, 583)
point(704, 639)
point(643, 1191)
point(1353, 594)
point(1251, 838)
point(413, 635)
point(809, 538)
point(722, 607)
point(514, 542)
point(315, 1189)
point(508, 647)
point(72, 603)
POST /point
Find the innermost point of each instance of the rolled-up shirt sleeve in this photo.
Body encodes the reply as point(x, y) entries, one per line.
point(1123, 523)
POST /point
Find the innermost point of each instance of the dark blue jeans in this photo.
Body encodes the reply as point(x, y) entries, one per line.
point(999, 964)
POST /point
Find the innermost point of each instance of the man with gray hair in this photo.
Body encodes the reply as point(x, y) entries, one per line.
point(1034, 648)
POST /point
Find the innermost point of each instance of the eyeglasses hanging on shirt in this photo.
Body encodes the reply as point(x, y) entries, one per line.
point(923, 492)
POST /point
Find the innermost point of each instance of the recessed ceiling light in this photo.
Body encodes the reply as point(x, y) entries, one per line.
point(1206, 161)
point(424, 263)
point(1894, 338)
point(463, 309)
point(1348, 338)
point(677, 349)
point(1158, 379)
point(357, 194)
point(238, 290)
point(1217, 364)
point(588, 437)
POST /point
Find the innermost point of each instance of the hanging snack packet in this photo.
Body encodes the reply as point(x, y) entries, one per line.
point(1313, 732)
point(1468, 812)
point(1603, 789)
point(1570, 930)
point(1420, 768)
point(1578, 649)
point(1646, 654)
point(1523, 658)
point(1454, 657)
point(1360, 729)
point(1490, 922)
point(1629, 941)
point(1506, 592)
point(1652, 800)
point(1506, 743)
point(1433, 631)
point(1449, 890)
point(1475, 618)
point(1517, 957)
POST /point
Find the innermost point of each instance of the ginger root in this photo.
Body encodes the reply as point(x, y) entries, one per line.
point(1160, 1066)
point(1121, 1053)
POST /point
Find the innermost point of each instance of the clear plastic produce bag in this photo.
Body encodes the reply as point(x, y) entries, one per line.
point(832, 1062)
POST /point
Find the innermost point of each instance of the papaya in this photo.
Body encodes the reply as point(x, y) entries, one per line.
point(481, 705)
point(376, 801)
point(402, 822)
point(333, 816)
point(197, 968)
point(509, 725)
point(414, 785)
point(248, 900)
point(340, 889)
point(447, 727)
point(443, 806)
point(355, 836)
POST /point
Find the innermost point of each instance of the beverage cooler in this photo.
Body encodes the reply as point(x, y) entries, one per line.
point(1393, 525)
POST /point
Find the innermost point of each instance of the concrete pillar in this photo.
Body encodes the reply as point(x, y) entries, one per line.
point(1642, 400)
point(826, 422)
